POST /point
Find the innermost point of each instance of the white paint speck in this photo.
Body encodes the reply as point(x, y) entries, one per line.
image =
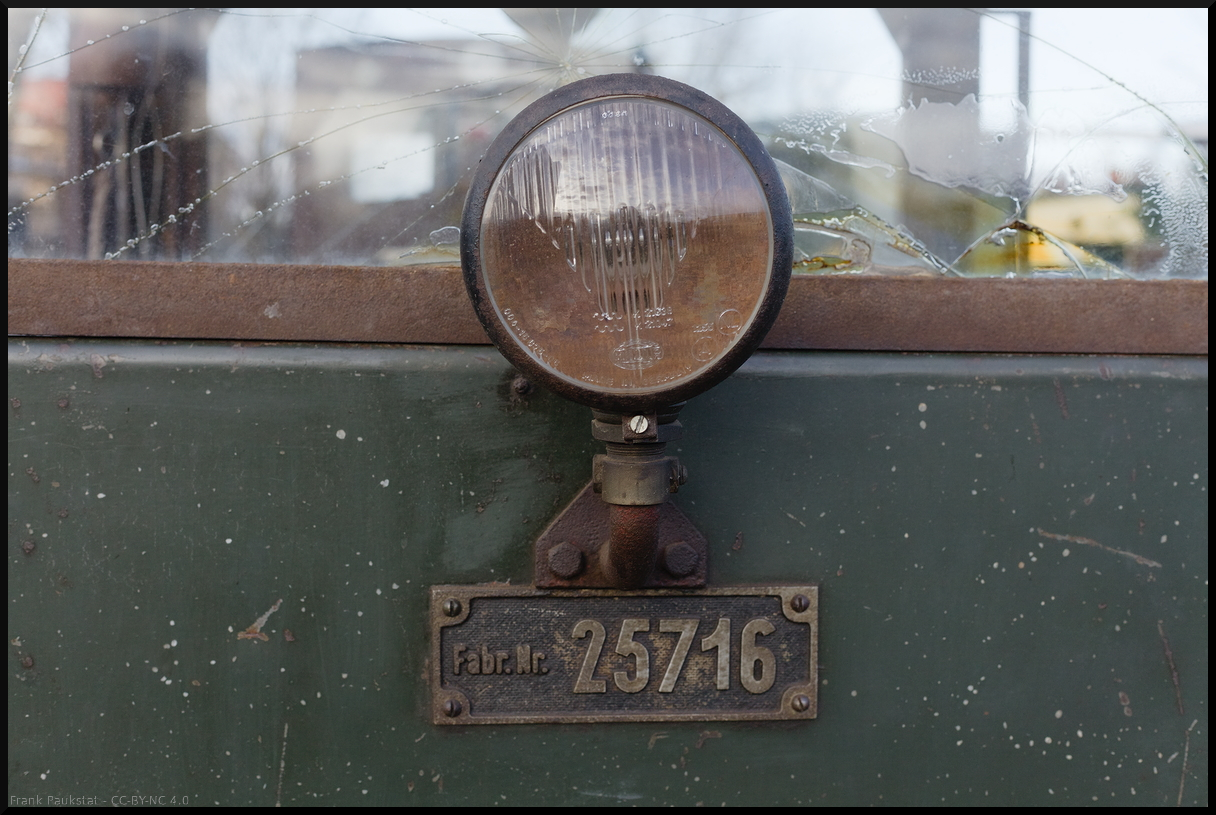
point(1059, 714)
point(922, 424)
point(101, 495)
point(341, 434)
point(922, 407)
point(384, 483)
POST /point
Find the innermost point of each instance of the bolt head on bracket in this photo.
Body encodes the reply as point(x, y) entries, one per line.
point(568, 552)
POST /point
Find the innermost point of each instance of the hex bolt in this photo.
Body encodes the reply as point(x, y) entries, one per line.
point(521, 385)
point(639, 424)
point(451, 607)
point(28, 547)
point(27, 662)
point(566, 560)
point(63, 403)
point(452, 708)
point(801, 703)
point(680, 559)
point(800, 603)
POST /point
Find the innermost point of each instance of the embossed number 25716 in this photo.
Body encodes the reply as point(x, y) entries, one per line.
point(757, 667)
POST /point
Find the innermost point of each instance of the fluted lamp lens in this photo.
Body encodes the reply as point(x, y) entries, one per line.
point(626, 244)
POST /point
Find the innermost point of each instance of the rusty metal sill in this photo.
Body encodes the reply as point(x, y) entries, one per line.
point(428, 304)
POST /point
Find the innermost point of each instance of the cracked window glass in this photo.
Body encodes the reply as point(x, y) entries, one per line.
point(934, 142)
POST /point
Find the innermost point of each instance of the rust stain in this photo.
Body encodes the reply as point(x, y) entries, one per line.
point(1169, 660)
point(662, 734)
point(706, 735)
point(254, 632)
point(1061, 399)
point(1143, 561)
point(738, 544)
point(1126, 701)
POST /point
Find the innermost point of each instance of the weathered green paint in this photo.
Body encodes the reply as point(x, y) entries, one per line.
point(970, 652)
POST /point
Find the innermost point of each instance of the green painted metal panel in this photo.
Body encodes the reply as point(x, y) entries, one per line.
point(1012, 553)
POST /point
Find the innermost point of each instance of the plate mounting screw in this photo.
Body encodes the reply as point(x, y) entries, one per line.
point(800, 703)
point(800, 603)
point(451, 607)
point(452, 708)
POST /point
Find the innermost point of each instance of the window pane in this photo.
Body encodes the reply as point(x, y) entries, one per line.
point(913, 141)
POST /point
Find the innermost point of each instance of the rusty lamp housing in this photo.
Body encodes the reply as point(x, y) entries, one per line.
point(627, 242)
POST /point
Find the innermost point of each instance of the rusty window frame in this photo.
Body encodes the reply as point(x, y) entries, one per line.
point(428, 304)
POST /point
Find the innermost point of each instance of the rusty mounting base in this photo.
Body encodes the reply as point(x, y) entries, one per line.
point(568, 552)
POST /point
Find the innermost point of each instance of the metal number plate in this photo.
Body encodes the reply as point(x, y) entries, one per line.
point(504, 655)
